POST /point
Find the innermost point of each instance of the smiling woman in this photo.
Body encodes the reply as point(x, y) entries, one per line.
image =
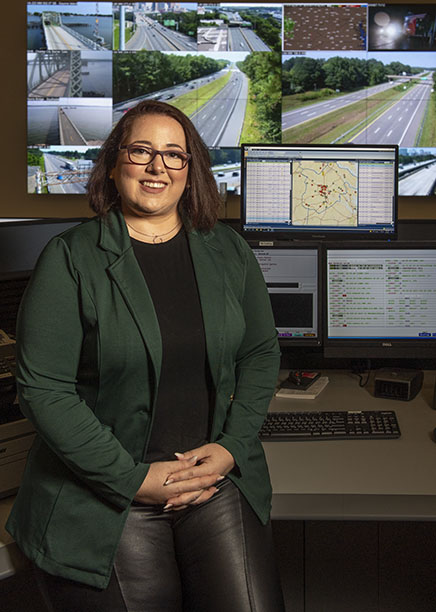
point(133, 128)
point(147, 488)
point(150, 190)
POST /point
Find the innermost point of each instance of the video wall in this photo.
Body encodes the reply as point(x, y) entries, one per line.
point(244, 73)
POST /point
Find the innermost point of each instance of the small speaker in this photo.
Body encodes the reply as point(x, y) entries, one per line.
point(396, 383)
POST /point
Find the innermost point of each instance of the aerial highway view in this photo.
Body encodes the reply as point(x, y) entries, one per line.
point(150, 34)
point(215, 102)
point(229, 39)
point(59, 169)
point(238, 27)
point(417, 172)
point(219, 120)
point(216, 97)
point(226, 168)
point(389, 102)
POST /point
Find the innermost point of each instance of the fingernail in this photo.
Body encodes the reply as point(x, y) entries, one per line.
point(169, 481)
point(193, 459)
point(179, 455)
point(168, 506)
point(220, 478)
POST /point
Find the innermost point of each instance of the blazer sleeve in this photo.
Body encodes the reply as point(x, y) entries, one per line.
point(256, 367)
point(49, 342)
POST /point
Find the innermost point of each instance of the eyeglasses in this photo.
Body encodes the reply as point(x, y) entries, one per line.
point(142, 156)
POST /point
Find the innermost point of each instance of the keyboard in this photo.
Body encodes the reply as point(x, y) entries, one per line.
point(330, 425)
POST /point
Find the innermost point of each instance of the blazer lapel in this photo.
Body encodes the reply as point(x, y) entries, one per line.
point(209, 266)
point(126, 274)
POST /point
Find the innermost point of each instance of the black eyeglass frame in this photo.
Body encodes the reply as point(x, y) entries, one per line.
point(155, 152)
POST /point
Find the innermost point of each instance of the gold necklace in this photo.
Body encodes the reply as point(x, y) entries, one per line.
point(157, 238)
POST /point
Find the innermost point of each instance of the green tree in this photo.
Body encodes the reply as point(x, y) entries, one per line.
point(141, 73)
point(266, 27)
point(340, 74)
point(377, 72)
point(306, 74)
point(264, 71)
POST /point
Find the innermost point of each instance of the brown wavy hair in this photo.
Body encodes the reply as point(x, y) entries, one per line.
point(200, 201)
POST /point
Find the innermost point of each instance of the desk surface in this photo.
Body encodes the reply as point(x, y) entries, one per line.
point(344, 480)
point(358, 479)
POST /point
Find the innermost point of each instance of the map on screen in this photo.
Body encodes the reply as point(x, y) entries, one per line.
point(324, 193)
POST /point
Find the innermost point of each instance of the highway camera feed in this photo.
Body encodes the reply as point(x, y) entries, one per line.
point(243, 72)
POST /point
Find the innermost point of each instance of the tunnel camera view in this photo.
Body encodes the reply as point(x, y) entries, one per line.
point(383, 98)
point(228, 96)
point(59, 169)
point(402, 27)
point(70, 74)
point(163, 26)
point(69, 27)
point(321, 26)
point(239, 27)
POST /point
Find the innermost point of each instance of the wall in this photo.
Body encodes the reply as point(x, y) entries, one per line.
point(15, 201)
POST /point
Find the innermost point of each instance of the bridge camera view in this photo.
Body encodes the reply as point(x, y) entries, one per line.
point(68, 27)
point(243, 72)
point(57, 74)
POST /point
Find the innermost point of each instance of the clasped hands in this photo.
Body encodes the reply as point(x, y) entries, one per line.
point(189, 480)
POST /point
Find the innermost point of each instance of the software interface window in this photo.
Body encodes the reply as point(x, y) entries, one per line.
point(291, 276)
point(381, 293)
point(319, 188)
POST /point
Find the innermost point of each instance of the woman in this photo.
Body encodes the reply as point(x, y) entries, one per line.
point(147, 357)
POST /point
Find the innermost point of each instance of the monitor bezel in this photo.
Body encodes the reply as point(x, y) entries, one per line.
point(294, 233)
point(286, 245)
point(34, 222)
point(387, 348)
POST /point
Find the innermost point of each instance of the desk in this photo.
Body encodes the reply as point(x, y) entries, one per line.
point(355, 521)
point(358, 479)
point(363, 529)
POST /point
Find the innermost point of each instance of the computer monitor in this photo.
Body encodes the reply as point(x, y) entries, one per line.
point(292, 276)
point(21, 243)
point(380, 300)
point(319, 191)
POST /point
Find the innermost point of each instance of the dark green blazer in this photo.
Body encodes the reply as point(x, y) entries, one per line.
point(88, 364)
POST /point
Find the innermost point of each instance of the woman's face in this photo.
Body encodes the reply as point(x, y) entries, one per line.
point(152, 190)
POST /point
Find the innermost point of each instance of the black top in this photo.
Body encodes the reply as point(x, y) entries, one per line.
point(182, 412)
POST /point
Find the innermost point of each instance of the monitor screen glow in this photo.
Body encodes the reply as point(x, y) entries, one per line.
point(293, 281)
point(381, 301)
point(319, 190)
